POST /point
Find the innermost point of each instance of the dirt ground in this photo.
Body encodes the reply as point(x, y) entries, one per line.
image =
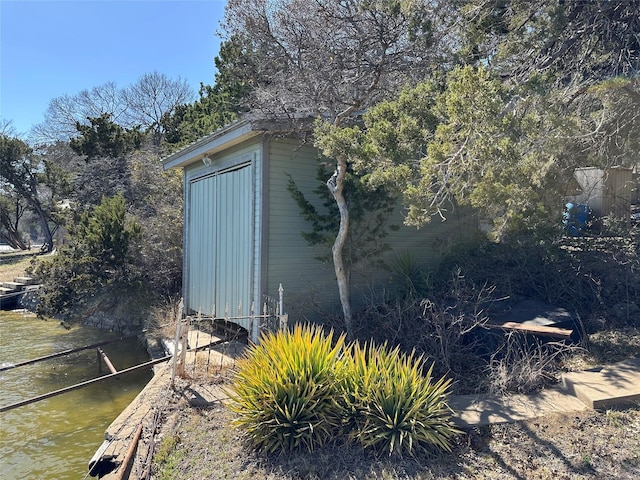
point(200, 442)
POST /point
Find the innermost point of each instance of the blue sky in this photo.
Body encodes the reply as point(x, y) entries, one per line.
point(50, 48)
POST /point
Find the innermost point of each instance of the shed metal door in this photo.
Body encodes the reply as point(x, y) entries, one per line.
point(220, 242)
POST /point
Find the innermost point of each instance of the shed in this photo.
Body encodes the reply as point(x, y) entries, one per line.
point(606, 191)
point(242, 228)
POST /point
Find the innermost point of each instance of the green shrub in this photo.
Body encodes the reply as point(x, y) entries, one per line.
point(300, 389)
point(284, 389)
point(389, 405)
point(99, 258)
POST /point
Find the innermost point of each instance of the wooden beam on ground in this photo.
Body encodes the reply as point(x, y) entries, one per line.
point(540, 330)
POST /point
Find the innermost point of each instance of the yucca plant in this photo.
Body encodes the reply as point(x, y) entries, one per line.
point(351, 370)
point(391, 405)
point(284, 389)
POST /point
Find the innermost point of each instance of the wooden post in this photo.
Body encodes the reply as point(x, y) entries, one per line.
point(174, 366)
point(107, 362)
point(284, 320)
point(281, 315)
point(63, 353)
point(184, 345)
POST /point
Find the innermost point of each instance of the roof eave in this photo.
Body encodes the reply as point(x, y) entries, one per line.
point(212, 143)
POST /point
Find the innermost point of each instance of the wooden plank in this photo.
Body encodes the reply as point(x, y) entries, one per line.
point(542, 330)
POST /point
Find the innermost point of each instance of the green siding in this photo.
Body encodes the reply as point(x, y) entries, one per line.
point(427, 245)
point(310, 286)
point(248, 241)
point(290, 258)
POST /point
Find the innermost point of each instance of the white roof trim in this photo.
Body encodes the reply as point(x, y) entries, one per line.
point(212, 143)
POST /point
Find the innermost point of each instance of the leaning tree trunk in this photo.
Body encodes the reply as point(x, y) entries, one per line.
point(48, 237)
point(10, 224)
point(336, 186)
point(12, 237)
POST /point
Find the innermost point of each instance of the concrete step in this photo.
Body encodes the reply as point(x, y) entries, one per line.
point(617, 384)
point(25, 280)
point(5, 290)
point(13, 285)
point(477, 410)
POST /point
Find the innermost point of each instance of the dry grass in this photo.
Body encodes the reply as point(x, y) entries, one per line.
point(525, 364)
point(215, 362)
point(163, 319)
point(197, 442)
point(201, 443)
point(14, 264)
point(604, 347)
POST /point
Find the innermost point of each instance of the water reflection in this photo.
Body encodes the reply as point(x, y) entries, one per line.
point(55, 438)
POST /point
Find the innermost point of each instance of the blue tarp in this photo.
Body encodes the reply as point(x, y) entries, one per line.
point(576, 218)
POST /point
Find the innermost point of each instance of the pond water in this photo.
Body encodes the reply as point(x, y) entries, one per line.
point(56, 438)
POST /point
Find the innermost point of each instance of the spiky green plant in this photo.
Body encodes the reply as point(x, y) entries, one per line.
point(284, 389)
point(391, 405)
point(351, 370)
